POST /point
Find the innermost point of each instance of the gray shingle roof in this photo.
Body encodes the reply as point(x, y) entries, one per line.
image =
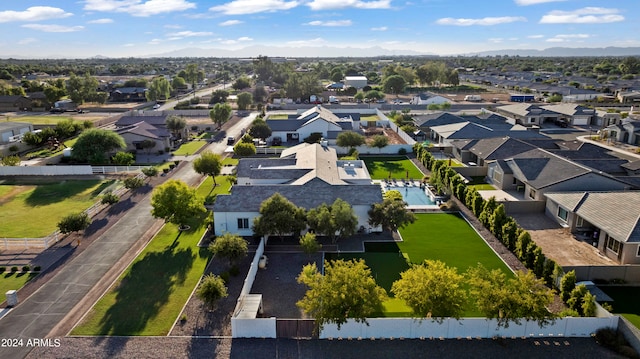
point(499, 148)
point(541, 168)
point(309, 195)
point(130, 120)
point(144, 129)
point(617, 213)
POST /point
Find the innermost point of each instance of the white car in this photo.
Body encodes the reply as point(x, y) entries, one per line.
point(156, 106)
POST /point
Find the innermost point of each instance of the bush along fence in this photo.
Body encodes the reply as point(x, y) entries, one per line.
point(505, 228)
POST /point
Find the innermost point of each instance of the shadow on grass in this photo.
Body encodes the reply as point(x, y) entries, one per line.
point(51, 193)
point(145, 289)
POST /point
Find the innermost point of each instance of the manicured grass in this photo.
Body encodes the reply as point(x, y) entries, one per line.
point(148, 297)
point(230, 161)
point(34, 211)
point(189, 148)
point(452, 163)
point(206, 188)
point(394, 166)
point(625, 302)
point(279, 117)
point(42, 119)
point(14, 281)
point(369, 118)
point(479, 184)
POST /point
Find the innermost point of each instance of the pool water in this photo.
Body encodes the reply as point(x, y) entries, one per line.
point(414, 196)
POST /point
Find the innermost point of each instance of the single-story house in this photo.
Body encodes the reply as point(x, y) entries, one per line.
point(609, 220)
point(159, 122)
point(315, 120)
point(628, 97)
point(15, 103)
point(128, 94)
point(533, 114)
point(429, 99)
point(13, 131)
point(626, 131)
point(308, 175)
point(134, 136)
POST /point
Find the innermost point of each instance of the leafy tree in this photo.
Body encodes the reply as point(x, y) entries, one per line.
point(13, 160)
point(432, 290)
point(589, 305)
point(93, 145)
point(302, 85)
point(576, 298)
point(548, 272)
point(259, 129)
point(538, 262)
point(522, 245)
point(379, 142)
point(67, 128)
point(241, 83)
point(178, 83)
point(278, 216)
point(175, 202)
point(220, 113)
point(567, 284)
point(82, 89)
point(259, 94)
point(150, 171)
point(246, 138)
point(309, 243)
point(264, 69)
point(245, 99)
point(148, 145)
point(123, 158)
point(244, 149)
point(192, 75)
point(229, 246)
point(373, 95)
point(211, 289)
point(175, 124)
point(497, 219)
point(394, 84)
point(208, 164)
point(359, 96)
point(510, 299)
point(219, 96)
point(391, 214)
point(74, 222)
point(54, 93)
point(133, 183)
point(159, 90)
point(334, 221)
point(110, 198)
point(350, 139)
point(487, 210)
point(345, 291)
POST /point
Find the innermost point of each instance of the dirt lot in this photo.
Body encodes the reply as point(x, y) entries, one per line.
point(559, 244)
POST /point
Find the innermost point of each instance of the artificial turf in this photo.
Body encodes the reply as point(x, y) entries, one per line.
point(625, 302)
point(395, 167)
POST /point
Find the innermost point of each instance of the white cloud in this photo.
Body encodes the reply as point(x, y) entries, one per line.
point(28, 40)
point(53, 28)
point(34, 13)
point(245, 38)
point(587, 15)
point(100, 21)
point(381, 28)
point(341, 4)
point(486, 21)
point(568, 37)
point(534, 2)
point(155, 41)
point(496, 40)
point(233, 42)
point(331, 23)
point(241, 7)
point(535, 36)
point(183, 34)
point(230, 22)
point(318, 41)
point(139, 8)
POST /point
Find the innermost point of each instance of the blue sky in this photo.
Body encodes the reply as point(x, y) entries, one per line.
point(123, 28)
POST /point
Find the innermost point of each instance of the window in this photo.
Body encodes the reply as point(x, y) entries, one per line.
point(612, 244)
point(579, 222)
point(243, 223)
point(532, 193)
point(562, 214)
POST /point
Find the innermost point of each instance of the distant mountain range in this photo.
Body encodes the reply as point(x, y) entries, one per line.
point(565, 52)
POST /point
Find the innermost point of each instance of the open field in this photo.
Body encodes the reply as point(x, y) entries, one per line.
point(391, 167)
point(33, 211)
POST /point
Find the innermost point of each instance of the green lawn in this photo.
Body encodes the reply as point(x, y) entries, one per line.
point(394, 166)
point(278, 117)
point(189, 148)
point(14, 281)
point(34, 211)
point(206, 188)
point(625, 302)
point(148, 297)
point(42, 119)
point(479, 184)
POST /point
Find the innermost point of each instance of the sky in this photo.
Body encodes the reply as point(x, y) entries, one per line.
point(135, 28)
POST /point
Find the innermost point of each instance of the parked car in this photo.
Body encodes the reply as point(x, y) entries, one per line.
point(276, 141)
point(231, 140)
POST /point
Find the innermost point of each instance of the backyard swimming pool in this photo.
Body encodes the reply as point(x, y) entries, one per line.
point(414, 195)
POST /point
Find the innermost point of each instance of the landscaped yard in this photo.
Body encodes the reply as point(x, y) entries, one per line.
point(282, 116)
point(397, 167)
point(148, 297)
point(34, 211)
point(625, 302)
point(444, 237)
point(479, 184)
point(15, 280)
point(189, 148)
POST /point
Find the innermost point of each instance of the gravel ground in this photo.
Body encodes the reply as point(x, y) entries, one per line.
point(186, 347)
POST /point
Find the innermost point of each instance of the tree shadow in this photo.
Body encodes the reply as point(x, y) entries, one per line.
point(94, 227)
point(120, 207)
point(145, 289)
point(52, 193)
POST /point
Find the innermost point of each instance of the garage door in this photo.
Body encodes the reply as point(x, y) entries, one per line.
point(580, 120)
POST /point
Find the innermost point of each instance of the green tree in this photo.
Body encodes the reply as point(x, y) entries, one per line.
point(159, 90)
point(335, 221)
point(74, 222)
point(220, 113)
point(229, 246)
point(497, 219)
point(432, 290)
point(244, 149)
point(241, 83)
point(394, 84)
point(259, 129)
point(350, 139)
point(576, 298)
point(391, 214)
point(150, 171)
point(211, 289)
point(567, 284)
point(110, 198)
point(192, 75)
point(345, 291)
point(359, 96)
point(336, 74)
point(374, 95)
point(94, 144)
point(219, 96)
point(522, 245)
point(123, 158)
point(148, 145)
point(309, 243)
point(208, 164)
point(133, 182)
point(175, 124)
point(175, 202)
point(278, 216)
point(245, 100)
point(379, 142)
point(178, 83)
point(13, 160)
point(510, 299)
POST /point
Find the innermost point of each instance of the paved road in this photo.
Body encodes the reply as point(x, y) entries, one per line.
point(35, 317)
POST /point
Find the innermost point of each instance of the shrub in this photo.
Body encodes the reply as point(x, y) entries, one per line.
point(37, 269)
point(26, 268)
point(2, 269)
point(110, 198)
point(133, 182)
point(14, 269)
